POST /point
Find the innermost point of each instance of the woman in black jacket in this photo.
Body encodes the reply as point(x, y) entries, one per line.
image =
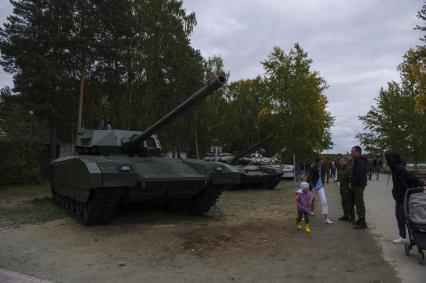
point(316, 179)
point(402, 180)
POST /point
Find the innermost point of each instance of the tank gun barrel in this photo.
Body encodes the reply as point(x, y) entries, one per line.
point(252, 148)
point(213, 85)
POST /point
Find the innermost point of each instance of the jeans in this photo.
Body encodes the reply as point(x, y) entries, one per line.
point(400, 218)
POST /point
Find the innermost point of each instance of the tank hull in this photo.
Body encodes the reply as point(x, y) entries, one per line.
point(82, 184)
point(259, 177)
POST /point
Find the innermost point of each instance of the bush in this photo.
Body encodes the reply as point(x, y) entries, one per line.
point(20, 148)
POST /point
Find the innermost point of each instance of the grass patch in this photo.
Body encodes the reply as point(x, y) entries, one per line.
point(258, 202)
point(25, 190)
point(27, 205)
point(35, 211)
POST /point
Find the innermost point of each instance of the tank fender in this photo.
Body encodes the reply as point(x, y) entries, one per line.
point(74, 177)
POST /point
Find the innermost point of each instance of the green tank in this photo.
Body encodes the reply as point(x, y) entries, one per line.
point(254, 172)
point(113, 167)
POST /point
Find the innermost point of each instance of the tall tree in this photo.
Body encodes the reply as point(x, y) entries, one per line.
point(298, 102)
point(398, 122)
point(131, 59)
point(394, 124)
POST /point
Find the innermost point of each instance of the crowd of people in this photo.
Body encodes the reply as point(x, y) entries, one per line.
point(352, 172)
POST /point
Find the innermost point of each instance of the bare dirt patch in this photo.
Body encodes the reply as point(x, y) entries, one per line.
point(255, 241)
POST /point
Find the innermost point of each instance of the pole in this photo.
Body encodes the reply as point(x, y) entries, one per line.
point(80, 99)
point(257, 132)
point(294, 169)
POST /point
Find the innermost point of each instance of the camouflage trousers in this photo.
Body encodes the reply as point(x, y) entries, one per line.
point(347, 203)
point(358, 195)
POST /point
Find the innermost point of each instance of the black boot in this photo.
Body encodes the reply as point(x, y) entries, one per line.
point(361, 224)
point(344, 218)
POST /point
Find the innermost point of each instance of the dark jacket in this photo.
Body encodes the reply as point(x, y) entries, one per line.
point(359, 172)
point(403, 180)
point(313, 176)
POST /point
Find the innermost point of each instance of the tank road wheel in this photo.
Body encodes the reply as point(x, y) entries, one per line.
point(101, 206)
point(55, 196)
point(72, 204)
point(60, 200)
point(79, 209)
point(205, 200)
point(99, 209)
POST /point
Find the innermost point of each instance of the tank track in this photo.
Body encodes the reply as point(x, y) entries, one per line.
point(205, 200)
point(272, 184)
point(99, 209)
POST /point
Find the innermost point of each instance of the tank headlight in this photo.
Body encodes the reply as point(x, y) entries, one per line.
point(125, 168)
point(219, 169)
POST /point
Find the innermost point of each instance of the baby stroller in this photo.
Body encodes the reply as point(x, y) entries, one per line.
point(415, 220)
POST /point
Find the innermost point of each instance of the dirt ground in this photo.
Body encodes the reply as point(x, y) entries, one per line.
point(255, 241)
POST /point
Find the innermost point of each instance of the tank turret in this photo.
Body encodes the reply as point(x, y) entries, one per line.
point(252, 148)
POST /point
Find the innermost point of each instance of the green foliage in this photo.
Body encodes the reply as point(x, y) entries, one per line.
point(422, 16)
point(297, 102)
point(398, 122)
point(371, 143)
point(394, 124)
point(136, 63)
point(289, 101)
point(20, 148)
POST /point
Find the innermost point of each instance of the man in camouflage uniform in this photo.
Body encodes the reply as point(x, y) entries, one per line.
point(344, 178)
point(358, 184)
point(327, 167)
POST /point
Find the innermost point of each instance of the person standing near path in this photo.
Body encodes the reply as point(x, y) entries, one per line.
point(369, 169)
point(376, 168)
point(333, 169)
point(316, 181)
point(327, 167)
point(402, 180)
point(303, 203)
point(358, 184)
point(344, 178)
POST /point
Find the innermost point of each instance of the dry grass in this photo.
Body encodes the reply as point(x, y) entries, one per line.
point(27, 205)
point(33, 205)
point(42, 189)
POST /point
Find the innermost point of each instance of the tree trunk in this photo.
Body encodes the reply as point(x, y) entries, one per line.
point(130, 89)
point(80, 98)
point(52, 140)
point(197, 152)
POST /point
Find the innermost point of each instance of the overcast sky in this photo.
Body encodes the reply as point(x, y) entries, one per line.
point(355, 44)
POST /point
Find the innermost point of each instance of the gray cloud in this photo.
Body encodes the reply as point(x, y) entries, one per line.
point(356, 45)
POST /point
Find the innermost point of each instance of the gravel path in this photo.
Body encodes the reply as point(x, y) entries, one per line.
point(381, 217)
point(255, 241)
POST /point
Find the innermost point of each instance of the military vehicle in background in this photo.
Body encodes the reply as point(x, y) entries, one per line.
point(113, 167)
point(254, 172)
point(275, 162)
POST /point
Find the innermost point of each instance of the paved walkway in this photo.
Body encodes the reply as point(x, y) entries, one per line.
point(7, 276)
point(382, 223)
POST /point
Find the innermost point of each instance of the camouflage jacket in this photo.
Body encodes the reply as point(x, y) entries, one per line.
point(345, 175)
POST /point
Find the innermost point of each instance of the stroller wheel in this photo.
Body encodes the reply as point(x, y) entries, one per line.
point(421, 258)
point(407, 249)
